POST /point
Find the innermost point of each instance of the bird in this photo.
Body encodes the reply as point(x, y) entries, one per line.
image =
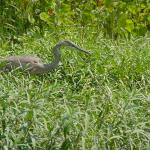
point(34, 64)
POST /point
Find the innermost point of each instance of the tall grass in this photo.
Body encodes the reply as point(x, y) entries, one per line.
point(94, 102)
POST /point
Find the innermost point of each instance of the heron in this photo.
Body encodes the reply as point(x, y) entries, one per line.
point(34, 64)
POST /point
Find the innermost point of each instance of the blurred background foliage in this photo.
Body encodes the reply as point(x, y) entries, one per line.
point(113, 17)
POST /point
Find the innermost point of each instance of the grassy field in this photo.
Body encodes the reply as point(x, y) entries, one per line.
point(96, 102)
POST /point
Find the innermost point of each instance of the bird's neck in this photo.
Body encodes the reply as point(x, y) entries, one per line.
point(56, 59)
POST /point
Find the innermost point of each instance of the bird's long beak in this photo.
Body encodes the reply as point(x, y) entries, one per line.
point(79, 48)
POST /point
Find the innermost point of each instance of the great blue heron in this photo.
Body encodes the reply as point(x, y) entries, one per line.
point(34, 64)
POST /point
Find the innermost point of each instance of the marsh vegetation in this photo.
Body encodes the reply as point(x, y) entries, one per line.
point(99, 101)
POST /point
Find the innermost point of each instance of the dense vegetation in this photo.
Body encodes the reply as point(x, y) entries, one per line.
point(113, 17)
point(97, 101)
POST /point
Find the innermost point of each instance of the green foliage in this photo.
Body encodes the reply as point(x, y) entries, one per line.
point(125, 17)
point(96, 102)
point(113, 17)
point(18, 16)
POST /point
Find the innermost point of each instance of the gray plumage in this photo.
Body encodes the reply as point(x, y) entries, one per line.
point(34, 64)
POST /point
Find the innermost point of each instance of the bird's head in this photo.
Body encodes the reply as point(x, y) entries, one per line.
point(71, 44)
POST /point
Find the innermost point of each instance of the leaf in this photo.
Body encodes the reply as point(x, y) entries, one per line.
point(132, 9)
point(31, 19)
point(129, 25)
point(44, 16)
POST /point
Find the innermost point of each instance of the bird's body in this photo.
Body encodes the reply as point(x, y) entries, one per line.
point(26, 62)
point(34, 64)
